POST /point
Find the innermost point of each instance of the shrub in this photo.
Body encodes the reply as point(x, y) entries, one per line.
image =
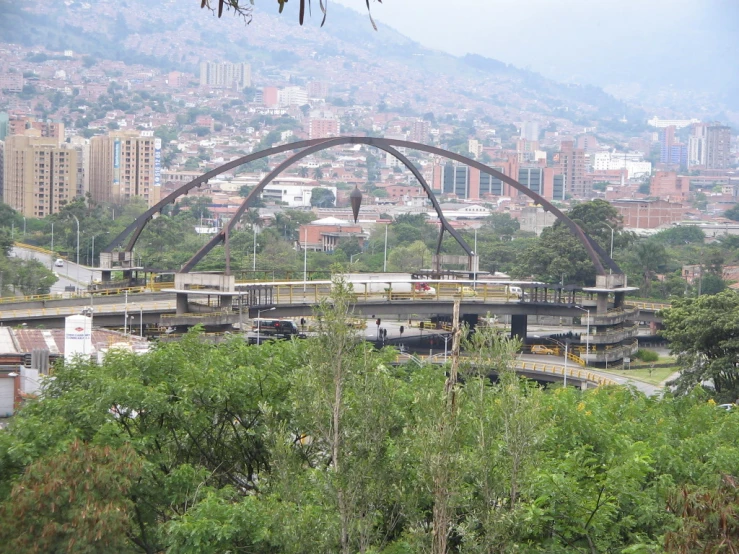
point(646, 355)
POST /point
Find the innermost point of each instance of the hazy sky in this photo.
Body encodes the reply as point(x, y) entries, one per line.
point(590, 41)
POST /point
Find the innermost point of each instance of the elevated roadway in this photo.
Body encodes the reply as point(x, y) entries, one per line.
point(299, 299)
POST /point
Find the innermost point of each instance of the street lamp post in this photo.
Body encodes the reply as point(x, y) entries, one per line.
point(259, 313)
point(611, 228)
point(52, 245)
point(141, 321)
point(587, 336)
point(78, 246)
point(351, 257)
point(305, 258)
point(24, 226)
point(384, 263)
point(254, 257)
point(567, 344)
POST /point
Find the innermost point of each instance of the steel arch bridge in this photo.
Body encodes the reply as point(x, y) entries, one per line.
point(598, 256)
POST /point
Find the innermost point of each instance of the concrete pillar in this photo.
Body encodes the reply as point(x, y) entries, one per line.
point(470, 320)
point(226, 302)
point(518, 326)
point(181, 303)
point(105, 276)
point(602, 303)
point(618, 301)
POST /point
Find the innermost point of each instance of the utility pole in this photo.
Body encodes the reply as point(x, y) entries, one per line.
point(384, 263)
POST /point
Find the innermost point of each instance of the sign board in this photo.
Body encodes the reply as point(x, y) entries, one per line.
point(627, 360)
point(116, 161)
point(157, 162)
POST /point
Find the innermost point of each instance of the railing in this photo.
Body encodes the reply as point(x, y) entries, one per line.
point(103, 309)
point(649, 306)
point(615, 335)
point(35, 249)
point(523, 365)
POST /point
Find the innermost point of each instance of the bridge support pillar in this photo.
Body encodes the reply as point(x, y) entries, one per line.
point(519, 324)
point(105, 276)
point(602, 303)
point(226, 302)
point(181, 303)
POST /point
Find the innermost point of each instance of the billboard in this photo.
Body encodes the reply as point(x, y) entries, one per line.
point(77, 336)
point(116, 162)
point(157, 162)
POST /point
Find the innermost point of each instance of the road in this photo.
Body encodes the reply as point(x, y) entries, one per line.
point(78, 276)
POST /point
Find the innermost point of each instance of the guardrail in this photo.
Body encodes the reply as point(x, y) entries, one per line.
point(104, 309)
point(36, 249)
point(524, 365)
point(649, 306)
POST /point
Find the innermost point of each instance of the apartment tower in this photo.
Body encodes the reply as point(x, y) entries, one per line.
point(225, 75)
point(124, 165)
point(39, 177)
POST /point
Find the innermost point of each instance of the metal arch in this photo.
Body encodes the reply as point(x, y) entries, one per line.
point(207, 247)
point(587, 242)
point(591, 247)
point(445, 226)
point(327, 143)
point(141, 221)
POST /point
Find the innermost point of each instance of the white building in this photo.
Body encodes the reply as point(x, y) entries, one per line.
point(294, 196)
point(678, 123)
point(292, 96)
point(632, 162)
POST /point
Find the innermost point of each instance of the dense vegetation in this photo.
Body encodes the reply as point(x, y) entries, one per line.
point(323, 445)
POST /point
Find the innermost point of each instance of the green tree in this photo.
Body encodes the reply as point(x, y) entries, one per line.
point(680, 235)
point(647, 257)
point(733, 212)
point(77, 500)
point(701, 332)
point(558, 253)
point(406, 259)
point(322, 198)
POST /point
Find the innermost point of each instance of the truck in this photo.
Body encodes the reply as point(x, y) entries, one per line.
point(276, 327)
point(401, 288)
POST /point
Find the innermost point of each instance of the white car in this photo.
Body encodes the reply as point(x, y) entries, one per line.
point(59, 262)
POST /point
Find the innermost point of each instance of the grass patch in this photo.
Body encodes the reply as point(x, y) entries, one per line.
point(653, 377)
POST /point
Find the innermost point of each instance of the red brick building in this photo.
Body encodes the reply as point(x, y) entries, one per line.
point(648, 213)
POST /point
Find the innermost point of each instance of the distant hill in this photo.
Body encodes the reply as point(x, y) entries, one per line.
point(176, 35)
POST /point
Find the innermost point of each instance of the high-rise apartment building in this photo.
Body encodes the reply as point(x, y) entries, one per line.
point(323, 128)
point(697, 145)
point(4, 120)
point(572, 166)
point(292, 96)
point(225, 75)
point(30, 127)
point(420, 130)
point(317, 89)
point(718, 143)
point(39, 177)
point(2, 163)
point(124, 165)
point(667, 140)
point(270, 97)
point(530, 131)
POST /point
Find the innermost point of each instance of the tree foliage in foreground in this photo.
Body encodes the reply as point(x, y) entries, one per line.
point(323, 445)
point(703, 333)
